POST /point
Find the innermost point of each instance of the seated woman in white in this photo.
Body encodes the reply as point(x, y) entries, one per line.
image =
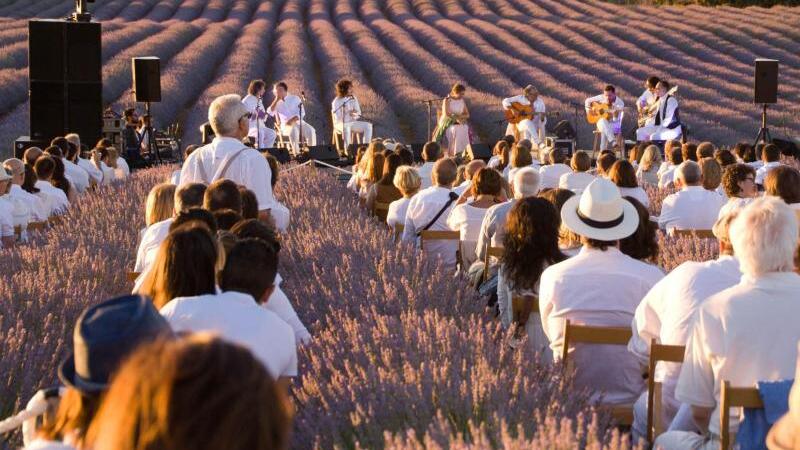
point(487, 190)
point(407, 180)
point(577, 180)
point(454, 117)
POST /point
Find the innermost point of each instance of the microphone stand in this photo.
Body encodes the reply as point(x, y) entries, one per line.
point(430, 105)
point(576, 106)
point(258, 123)
point(301, 144)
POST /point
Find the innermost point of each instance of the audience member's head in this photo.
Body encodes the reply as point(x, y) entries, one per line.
point(739, 180)
point(771, 153)
point(74, 139)
point(581, 161)
point(783, 182)
point(689, 152)
point(160, 204)
point(249, 203)
point(229, 117)
point(54, 151)
point(487, 182)
point(711, 172)
point(16, 168)
point(431, 152)
point(721, 230)
point(374, 167)
point(226, 218)
point(31, 155)
point(725, 158)
point(407, 181)
point(406, 155)
point(158, 388)
point(764, 237)
point(600, 215)
point(44, 167)
point(604, 163)
point(250, 268)
point(675, 156)
point(520, 156)
point(391, 163)
point(567, 239)
point(623, 174)
point(651, 158)
point(29, 185)
point(740, 149)
point(189, 196)
point(689, 174)
point(274, 169)
point(557, 156)
point(705, 150)
point(223, 194)
point(444, 172)
point(643, 243)
point(526, 182)
point(62, 145)
point(473, 167)
point(195, 215)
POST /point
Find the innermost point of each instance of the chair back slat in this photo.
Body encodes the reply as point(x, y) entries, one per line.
point(701, 234)
point(658, 352)
point(734, 397)
point(132, 276)
point(380, 207)
point(490, 252)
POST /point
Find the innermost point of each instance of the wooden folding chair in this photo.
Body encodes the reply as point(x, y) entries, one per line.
point(37, 226)
point(441, 235)
point(588, 334)
point(734, 397)
point(132, 276)
point(658, 352)
point(700, 234)
point(380, 210)
point(496, 252)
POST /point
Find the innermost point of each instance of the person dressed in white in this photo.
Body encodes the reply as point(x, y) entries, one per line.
point(7, 238)
point(95, 174)
point(429, 203)
point(226, 156)
point(599, 286)
point(528, 128)
point(407, 181)
point(77, 176)
point(577, 180)
point(771, 155)
point(55, 197)
point(739, 183)
point(470, 170)
point(453, 120)
point(38, 207)
point(666, 314)
point(247, 281)
point(552, 173)
point(693, 207)
point(431, 152)
point(346, 112)
point(667, 121)
point(610, 129)
point(288, 109)
point(746, 333)
point(262, 136)
point(648, 99)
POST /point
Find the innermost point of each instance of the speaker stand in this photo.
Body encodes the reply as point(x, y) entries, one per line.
point(152, 144)
point(763, 134)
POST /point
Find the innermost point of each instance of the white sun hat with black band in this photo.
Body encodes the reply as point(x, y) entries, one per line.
point(600, 212)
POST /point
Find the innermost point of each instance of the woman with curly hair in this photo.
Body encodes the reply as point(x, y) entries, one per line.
point(531, 245)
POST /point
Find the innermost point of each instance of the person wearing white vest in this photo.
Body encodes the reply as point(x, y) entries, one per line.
point(226, 156)
point(262, 136)
point(667, 121)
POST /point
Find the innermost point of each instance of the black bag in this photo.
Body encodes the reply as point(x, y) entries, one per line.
point(453, 197)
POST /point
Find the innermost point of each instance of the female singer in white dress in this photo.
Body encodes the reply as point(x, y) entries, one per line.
point(454, 120)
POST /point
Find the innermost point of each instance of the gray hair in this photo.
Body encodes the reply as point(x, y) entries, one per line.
point(526, 182)
point(224, 114)
point(14, 166)
point(473, 167)
point(75, 139)
point(689, 173)
point(764, 237)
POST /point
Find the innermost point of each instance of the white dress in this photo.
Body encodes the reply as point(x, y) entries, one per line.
point(457, 134)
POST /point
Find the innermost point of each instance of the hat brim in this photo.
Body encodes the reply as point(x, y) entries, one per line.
point(67, 375)
point(783, 435)
point(628, 226)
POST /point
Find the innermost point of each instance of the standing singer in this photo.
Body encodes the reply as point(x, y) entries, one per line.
point(453, 120)
point(263, 137)
point(288, 109)
point(346, 114)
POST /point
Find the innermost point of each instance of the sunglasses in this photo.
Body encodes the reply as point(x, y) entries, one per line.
point(247, 116)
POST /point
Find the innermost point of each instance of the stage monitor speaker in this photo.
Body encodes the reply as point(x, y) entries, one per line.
point(766, 81)
point(416, 149)
point(280, 153)
point(323, 153)
point(567, 146)
point(146, 79)
point(564, 130)
point(25, 142)
point(479, 151)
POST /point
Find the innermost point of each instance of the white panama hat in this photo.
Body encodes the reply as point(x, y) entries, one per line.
point(600, 212)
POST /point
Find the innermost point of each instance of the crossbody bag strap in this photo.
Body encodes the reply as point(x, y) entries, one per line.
point(227, 164)
point(453, 197)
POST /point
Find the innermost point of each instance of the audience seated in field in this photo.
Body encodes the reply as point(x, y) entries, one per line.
point(36, 205)
point(373, 170)
point(712, 175)
point(56, 199)
point(579, 178)
point(746, 333)
point(693, 207)
point(667, 171)
point(600, 286)
point(552, 172)
point(771, 157)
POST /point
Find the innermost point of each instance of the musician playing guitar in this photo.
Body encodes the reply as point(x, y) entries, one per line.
point(646, 100)
point(667, 121)
point(526, 115)
point(606, 111)
point(262, 135)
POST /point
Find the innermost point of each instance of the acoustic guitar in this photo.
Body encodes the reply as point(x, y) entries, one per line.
point(650, 110)
point(600, 110)
point(519, 112)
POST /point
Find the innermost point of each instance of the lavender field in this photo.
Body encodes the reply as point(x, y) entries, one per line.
point(400, 52)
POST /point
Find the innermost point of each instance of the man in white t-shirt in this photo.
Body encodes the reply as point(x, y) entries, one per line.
point(247, 280)
point(693, 207)
point(95, 174)
point(747, 333)
point(771, 156)
point(226, 157)
point(288, 109)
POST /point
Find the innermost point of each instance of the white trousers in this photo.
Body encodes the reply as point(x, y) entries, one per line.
point(532, 130)
point(358, 126)
point(293, 131)
point(457, 138)
point(608, 132)
point(658, 133)
point(686, 440)
point(265, 136)
point(676, 416)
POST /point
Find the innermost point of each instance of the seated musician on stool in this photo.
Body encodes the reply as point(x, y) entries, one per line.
point(532, 129)
point(647, 99)
point(289, 110)
point(263, 136)
point(346, 114)
point(610, 129)
point(667, 123)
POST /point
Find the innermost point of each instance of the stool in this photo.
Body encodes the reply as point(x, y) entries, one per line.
point(596, 146)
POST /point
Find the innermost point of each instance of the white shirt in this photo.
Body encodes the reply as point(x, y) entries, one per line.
point(666, 110)
point(667, 178)
point(756, 164)
point(94, 173)
point(733, 203)
point(281, 216)
point(6, 219)
point(575, 181)
point(425, 171)
point(421, 210)
point(287, 108)
point(647, 98)
point(250, 169)
point(538, 105)
point(253, 105)
point(510, 172)
point(175, 178)
point(467, 219)
point(494, 161)
point(601, 288)
point(762, 171)
point(108, 173)
point(279, 304)
point(617, 104)
point(238, 319)
point(691, 208)
point(351, 110)
point(397, 212)
point(461, 188)
point(551, 174)
point(151, 240)
point(667, 312)
point(36, 205)
point(744, 334)
point(76, 175)
point(636, 192)
point(57, 198)
point(493, 227)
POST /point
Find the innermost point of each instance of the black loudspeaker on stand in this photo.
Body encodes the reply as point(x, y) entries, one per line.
point(765, 92)
point(66, 84)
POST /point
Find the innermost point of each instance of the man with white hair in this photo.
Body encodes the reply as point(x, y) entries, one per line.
point(95, 174)
point(38, 208)
point(493, 228)
point(600, 286)
point(227, 158)
point(747, 333)
point(470, 170)
point(693, 207)
point(666, 315)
